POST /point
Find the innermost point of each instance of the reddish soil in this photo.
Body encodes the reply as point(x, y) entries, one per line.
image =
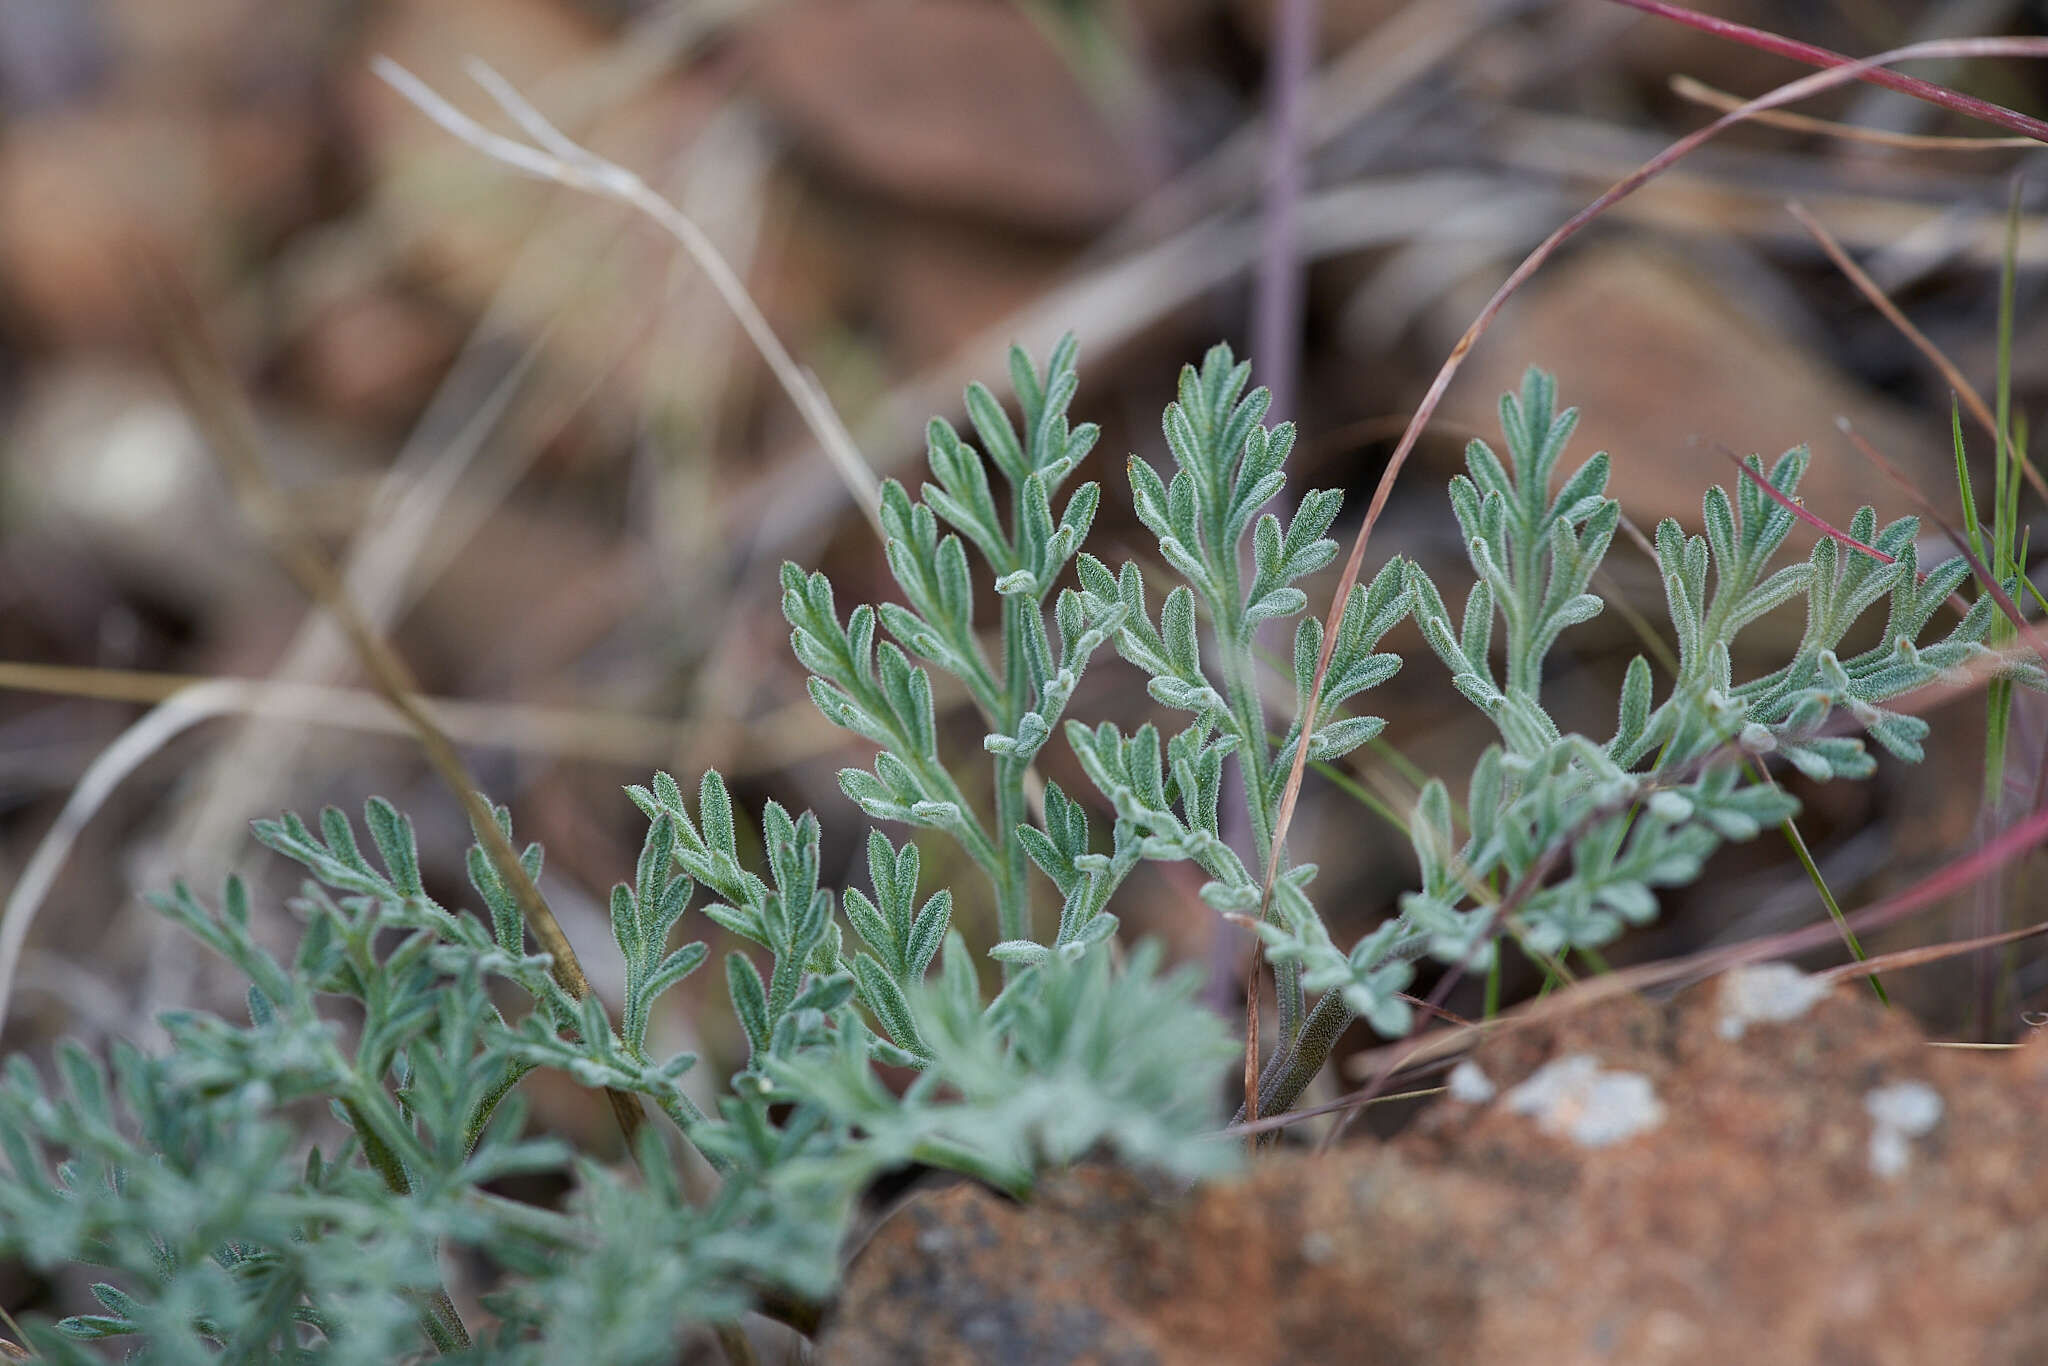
point(1826, 1188)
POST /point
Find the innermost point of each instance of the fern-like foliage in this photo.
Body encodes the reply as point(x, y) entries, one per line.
point(185, 1178)
point(226, 1233)
point(1167, 796)
point(1567, 838)
point(878, 693)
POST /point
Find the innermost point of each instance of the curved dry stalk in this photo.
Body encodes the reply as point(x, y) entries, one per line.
point(222, 415)
point(788, 734)
point(1950, 372)
point(553, 156)
point(162, 724)
point(1785, 94)
point(1699, 92)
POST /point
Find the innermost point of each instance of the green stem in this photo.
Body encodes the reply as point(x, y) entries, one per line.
point(1239, 667)
point(1820, 885)
point(1296, 1065)
point(1010, 871)
point(1012, 881)
point(441, 1312)
point(439, 1319)
point(1827, 897)
point(971, 836)
point(473, 1132)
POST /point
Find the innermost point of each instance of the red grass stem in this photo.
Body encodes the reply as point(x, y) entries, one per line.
point(1766, 41)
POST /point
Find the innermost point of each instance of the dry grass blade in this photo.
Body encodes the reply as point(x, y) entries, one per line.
point(1786, 94)
point(1699, 92)
point(1932, 953)
point(108, 770)
point(1253, 1128)
point(1799, 510)
point(1971, 399)
point(179, 702)
point(1869, 69)
point(553, 156)
point(219, 411)
point(584, 733)
point(1962, 544)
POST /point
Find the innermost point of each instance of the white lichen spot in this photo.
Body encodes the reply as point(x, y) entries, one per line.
point(1766, 993)
point(1898, 1112)
point(1469, 1084)
point(1573, 1098)
point(1911, 1107)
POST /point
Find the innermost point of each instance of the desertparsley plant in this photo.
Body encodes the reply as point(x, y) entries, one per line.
point(223, 1225)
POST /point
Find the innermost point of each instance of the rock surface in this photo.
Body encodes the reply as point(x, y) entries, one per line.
point(1716, 1184)
point(1667, 366)
point(965, 108)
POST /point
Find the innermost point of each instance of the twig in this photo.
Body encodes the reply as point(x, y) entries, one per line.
point(7, 1320)
point(1932, 953)
point(553, 156)
point(1254, 1127)
point(734, 1342)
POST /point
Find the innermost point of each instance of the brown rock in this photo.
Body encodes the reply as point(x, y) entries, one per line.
point(89, 193)
point(964, 107)
point(1666, 366)
point(373, 356)
point(1640, 1187)
point(219, 48)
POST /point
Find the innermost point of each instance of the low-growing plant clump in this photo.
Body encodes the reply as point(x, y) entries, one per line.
point(872, 1044)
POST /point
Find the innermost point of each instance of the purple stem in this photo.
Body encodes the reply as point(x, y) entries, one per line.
point(1276, 303)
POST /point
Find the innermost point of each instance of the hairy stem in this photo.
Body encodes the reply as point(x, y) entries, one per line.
point(1010, 871)
point(439, 1319)
point(1239, 668)
point(1296, 1065)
